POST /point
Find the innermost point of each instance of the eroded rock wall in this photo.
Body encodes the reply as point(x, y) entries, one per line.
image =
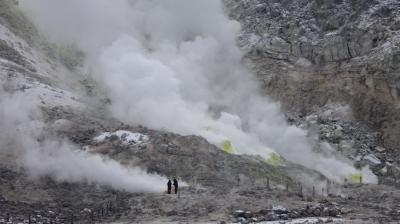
point(311, 53)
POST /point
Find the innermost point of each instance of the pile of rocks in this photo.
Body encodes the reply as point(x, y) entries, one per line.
point(352, 139)
point(278, 212)
point(333, 124)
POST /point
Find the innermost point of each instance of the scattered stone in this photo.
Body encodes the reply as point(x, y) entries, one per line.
point(372, 160)
point(383, 171)
point(172, 213)
point(238, 213)
point(380, 149)
point(248, 215)
point(278, 209)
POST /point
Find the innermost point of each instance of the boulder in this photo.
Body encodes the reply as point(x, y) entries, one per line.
point(278, 209)
point(238, 213)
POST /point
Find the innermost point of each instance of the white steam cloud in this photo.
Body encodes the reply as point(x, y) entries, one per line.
point(22, 138)
point(175, 65)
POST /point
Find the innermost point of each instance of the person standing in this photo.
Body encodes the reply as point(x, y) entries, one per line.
point(169, 185)
point(176, 185)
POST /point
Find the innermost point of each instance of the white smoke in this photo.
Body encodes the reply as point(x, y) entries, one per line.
point(174, 64)
point(69, 164)
point(23, 138)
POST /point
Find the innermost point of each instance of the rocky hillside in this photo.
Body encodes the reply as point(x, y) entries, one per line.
point(309, 54)
point(33, 68)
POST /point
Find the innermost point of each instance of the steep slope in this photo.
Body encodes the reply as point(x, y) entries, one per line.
point(30, 64)
point(312, 53)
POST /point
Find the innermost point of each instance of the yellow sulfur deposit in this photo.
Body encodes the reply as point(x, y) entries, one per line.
point(355, 178)
point(227, 146)
point(274, 159)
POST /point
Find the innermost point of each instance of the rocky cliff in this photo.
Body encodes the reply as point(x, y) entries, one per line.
point(309, 54)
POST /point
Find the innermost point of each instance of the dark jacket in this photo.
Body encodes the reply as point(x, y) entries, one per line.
point(169, 184)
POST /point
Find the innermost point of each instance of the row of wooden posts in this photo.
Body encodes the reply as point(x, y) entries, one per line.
point(314, 190)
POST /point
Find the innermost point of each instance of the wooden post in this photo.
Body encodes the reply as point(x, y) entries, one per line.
point(29, 219)
point(313, 191)
point(360, 179)
point(327, 188)
point(323, 191)
point(92, 216)
point(301, 189)
point(287, 186)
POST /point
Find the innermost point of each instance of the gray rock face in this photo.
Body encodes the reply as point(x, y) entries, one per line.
point(309, 53)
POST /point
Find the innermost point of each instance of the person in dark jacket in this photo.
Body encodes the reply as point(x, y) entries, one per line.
point(176, 185)
point(169, 185)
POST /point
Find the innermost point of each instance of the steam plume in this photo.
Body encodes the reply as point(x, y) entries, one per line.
point(174, 64)
point(21, 137)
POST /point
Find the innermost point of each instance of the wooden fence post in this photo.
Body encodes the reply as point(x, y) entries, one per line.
point(301, 189)
point(313, 191)
point(92, 216)
point(328, 186)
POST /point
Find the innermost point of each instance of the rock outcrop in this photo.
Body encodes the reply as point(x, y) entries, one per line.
point(310, 53)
